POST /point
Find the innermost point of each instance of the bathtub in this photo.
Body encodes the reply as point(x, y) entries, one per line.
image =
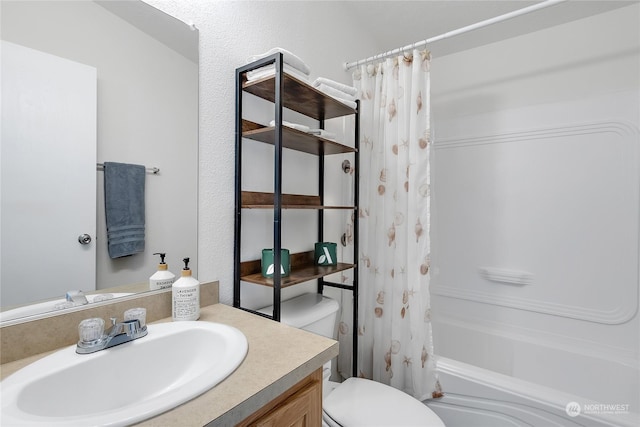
point(476, 397)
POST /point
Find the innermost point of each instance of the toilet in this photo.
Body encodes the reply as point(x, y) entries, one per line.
point(356, 401)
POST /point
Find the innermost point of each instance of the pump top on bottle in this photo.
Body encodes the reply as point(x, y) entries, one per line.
point(162, 265)
point(186, 271)
point(163, 278)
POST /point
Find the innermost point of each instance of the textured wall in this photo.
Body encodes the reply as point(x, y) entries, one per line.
point(321, 33)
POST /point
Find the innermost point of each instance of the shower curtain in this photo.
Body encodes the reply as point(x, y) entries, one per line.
point(394, 325)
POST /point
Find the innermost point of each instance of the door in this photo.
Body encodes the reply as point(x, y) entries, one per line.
point(48, 175)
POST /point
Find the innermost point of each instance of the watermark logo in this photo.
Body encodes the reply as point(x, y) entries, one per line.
point(573, 409)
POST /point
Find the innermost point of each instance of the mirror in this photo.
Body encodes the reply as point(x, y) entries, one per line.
point(146, 67)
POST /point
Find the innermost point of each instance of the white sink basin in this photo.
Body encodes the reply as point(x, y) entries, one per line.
point(48, 306)
point(125, 384)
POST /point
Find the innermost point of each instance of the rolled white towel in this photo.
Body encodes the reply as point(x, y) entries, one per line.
point(323, 133)
point(287, 58)
point(270, 70)
point(336, 85)
point(301, 128)
point(351, 104)
point(336, 93)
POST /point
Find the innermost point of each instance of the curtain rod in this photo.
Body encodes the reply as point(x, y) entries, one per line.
point(152, 170)
point(481, 24)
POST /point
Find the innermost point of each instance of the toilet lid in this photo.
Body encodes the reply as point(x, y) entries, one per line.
point(361, 402)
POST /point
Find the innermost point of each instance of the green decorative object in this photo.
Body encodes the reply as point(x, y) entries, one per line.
point(326, 253)
point(267, 263)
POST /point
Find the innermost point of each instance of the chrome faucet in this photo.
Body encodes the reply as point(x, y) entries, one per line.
point(93, 337)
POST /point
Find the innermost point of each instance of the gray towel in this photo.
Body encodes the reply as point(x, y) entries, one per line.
point(124, 208)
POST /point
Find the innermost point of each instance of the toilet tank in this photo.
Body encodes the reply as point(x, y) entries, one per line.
point(311, 312)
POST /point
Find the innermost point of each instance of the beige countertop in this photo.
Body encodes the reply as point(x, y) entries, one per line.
point(279, 356)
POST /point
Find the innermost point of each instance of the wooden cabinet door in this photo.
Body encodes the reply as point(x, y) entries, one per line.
point(300, 406)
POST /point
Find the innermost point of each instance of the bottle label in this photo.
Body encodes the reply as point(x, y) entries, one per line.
point(162, 284)
point(186, 303)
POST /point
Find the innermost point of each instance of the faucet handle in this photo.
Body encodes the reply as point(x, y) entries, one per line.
point(138, 313)
point(91, 329)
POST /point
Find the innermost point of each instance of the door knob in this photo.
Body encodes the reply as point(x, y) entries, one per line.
point(84, 239)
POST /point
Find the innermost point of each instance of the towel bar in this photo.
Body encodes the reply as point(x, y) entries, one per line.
point(153, 170)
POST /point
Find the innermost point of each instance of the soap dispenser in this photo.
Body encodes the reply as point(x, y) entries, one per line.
point(186, 295)
point(163, 278)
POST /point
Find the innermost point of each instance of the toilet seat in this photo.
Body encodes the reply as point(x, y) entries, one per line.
point(361, 402)
point(328, 422)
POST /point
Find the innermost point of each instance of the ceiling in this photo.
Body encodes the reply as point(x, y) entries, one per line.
point(397, 23)
point(177, 35)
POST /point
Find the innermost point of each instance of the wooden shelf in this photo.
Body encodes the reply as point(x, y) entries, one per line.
point(294, 139)
point(299, 96)
point(303, 269)
point(257, 200)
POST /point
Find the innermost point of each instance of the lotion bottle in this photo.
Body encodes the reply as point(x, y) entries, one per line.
point(186, 296)
point(163, 278)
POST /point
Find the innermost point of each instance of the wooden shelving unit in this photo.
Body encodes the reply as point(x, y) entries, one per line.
point(285, 91)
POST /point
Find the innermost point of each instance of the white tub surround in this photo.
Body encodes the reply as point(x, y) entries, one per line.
point(535, 215)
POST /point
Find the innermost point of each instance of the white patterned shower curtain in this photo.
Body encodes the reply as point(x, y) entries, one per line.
point(395, 340)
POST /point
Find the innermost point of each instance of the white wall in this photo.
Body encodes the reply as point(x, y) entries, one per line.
point(536, 169)
point(147, 114)
point(324, 37)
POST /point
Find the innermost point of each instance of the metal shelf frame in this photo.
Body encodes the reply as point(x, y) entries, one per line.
point(303, 98)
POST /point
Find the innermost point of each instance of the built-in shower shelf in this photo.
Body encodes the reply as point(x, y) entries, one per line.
point(502, 275)
point(303, 269)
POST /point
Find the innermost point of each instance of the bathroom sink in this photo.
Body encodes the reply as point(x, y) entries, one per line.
point(125, 384)
point(53, 306)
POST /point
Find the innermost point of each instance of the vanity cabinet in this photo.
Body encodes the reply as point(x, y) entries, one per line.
point(284, 91)
point(300, 406)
